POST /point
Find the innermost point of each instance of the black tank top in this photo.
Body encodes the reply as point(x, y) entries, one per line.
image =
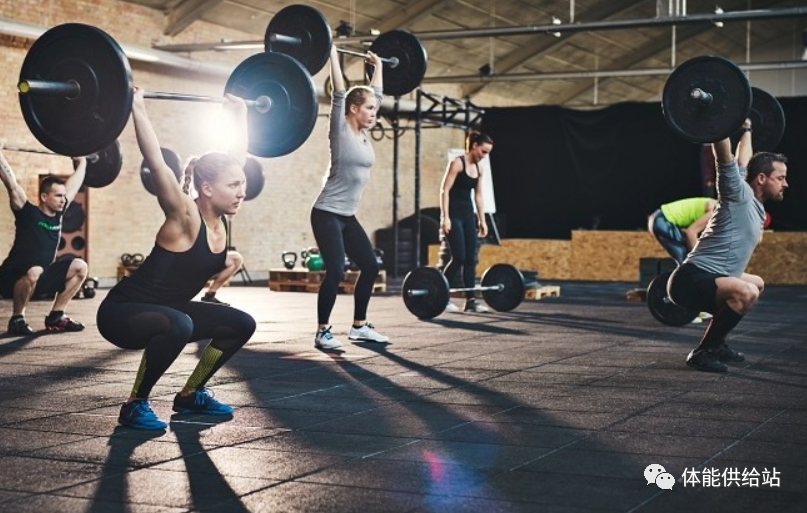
point(459, 196)
point(169, 278)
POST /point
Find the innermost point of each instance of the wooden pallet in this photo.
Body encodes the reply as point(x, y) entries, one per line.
point(636, 295)
point(537, 293)
point(284, 280)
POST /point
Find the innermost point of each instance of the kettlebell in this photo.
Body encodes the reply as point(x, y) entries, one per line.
point(89, 287)
point(312, 259)
point(289, 259)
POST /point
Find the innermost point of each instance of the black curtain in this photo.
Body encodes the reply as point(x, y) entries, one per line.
point(556, 170)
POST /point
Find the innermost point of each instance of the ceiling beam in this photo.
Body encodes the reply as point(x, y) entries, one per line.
point(682, 34)
point(410, 14)
point(185, 13)
point(541, 44)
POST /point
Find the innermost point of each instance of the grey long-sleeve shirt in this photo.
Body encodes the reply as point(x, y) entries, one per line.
point(351, 160)
point(735, 229)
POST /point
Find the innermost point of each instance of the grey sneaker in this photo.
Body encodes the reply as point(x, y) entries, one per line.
point(451, 308)
point(475, 307)
point(366, 333)
point(324, 339)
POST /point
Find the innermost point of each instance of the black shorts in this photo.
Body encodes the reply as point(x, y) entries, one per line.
point(693, 288)
point(51, 281)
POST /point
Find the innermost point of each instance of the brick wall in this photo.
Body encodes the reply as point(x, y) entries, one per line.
point(124, 217)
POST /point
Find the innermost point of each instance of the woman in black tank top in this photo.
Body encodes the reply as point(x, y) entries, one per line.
point(152, 310)
point(458, 222)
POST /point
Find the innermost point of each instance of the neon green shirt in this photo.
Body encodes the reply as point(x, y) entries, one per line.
point(683, 213)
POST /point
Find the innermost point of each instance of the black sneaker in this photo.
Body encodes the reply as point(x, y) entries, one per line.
point(727, 354)
point(62, 324)
point(18, 326)
point(705, 360)
point(207, 298)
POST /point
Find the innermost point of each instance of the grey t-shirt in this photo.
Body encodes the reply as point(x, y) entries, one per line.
point(351, 160)
point(727, 243)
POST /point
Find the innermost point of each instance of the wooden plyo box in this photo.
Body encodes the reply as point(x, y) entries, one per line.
point(284, 280)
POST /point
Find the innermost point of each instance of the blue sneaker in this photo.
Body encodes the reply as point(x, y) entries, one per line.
point(201, 401)
point(139, 415)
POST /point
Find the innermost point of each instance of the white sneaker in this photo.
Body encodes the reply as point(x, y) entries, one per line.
point(366, 333)
point(705, 316)
point(476, 307)
point(451, 308)
point(324, 339)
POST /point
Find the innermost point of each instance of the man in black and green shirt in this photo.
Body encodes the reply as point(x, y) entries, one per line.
point(29, 267)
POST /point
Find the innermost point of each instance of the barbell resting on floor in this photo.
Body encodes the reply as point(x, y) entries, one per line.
point(76, 94)
point(303, 32)
point(426, 291)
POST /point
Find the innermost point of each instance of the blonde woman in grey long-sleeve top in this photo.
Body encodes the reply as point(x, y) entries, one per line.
point(333, 216)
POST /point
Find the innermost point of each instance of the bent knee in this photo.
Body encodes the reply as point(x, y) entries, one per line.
point(78, 267)
point(34, 273)
point(235, 259)
point(746, 296)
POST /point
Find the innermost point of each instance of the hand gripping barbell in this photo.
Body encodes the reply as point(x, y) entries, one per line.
point(76, 94)
point(304, 33)
point(426, 292)
point(102, 166)
point(706, 99)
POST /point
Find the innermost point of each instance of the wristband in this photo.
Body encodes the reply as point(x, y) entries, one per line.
point(745, 129)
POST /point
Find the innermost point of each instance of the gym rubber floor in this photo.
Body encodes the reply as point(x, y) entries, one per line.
point(558, 406)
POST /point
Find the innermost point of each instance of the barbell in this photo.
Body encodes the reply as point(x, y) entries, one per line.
point(303, 32)
point(103, 166)
point(426, 291)
point(706, 99)
point(76, 94)
point(662, 307)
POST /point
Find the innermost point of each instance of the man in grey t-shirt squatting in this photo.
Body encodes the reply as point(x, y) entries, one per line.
point(713, 278)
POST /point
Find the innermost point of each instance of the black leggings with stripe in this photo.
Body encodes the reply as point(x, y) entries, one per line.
point(164, 331)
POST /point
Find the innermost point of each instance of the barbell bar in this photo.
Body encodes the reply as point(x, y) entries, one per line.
point(303, 32)
point(392, 61)
point(71, 89)
point(426, 291)
point(91, 158)
point(103, 166)
point(76, 94)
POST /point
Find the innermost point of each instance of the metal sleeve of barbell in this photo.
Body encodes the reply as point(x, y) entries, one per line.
point(70, 89)
point(417, 292)
point(282, 38)
point(701, 96)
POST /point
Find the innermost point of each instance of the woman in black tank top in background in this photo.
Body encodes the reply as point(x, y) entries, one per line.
point(152, 310)
point(459, 223)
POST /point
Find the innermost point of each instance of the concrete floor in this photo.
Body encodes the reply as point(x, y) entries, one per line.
point(558, 406)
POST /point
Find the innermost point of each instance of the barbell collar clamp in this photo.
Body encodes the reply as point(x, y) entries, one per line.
point(69, 89)
point(701, 96)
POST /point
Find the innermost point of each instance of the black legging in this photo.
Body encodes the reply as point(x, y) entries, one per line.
point(336, 236)
point(164, 331)
point(462, 240)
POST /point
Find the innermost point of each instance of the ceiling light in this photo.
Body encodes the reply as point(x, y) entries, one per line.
point(718, 24)
point(556, 21)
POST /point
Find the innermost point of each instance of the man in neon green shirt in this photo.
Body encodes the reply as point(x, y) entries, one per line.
point(677, 225)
